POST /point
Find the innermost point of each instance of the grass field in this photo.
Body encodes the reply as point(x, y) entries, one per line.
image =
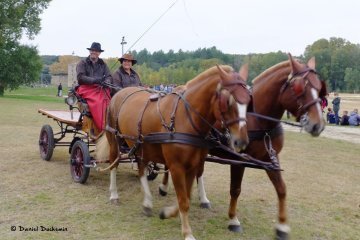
point(322, 177)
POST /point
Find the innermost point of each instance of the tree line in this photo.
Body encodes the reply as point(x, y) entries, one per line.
point(337, 62)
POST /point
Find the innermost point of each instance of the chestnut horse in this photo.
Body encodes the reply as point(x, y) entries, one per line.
point(291, 86)
point(172, 130)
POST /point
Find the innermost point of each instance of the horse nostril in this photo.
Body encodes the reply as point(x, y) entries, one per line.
point(239, 144)
point(317, 129)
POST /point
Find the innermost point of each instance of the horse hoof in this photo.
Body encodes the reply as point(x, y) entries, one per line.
point(162, 193)
point(162, 214)
point(280, 235)
point(147, 211)
point(115, 202)
point(205, 205)
point(190, 237)
point(235, 228)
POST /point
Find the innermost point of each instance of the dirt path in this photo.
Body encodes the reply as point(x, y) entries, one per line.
point(350, 134)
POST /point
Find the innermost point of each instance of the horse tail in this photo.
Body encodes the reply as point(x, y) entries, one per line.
point(102, 148)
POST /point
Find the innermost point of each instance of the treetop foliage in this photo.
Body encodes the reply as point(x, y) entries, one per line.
point(19, 64)
point(337, 61)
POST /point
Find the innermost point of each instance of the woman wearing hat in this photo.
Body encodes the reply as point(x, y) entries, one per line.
point(125, 76)
point(91, 72)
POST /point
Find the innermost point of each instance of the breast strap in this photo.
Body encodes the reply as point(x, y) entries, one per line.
point(260, 134)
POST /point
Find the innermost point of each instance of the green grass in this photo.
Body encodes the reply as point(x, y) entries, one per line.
point(45, 94)
point(322, 177)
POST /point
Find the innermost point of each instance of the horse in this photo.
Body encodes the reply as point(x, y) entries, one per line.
point(173, 129)
point(291, 86)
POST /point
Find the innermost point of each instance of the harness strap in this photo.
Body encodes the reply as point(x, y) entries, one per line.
point(182, 138)
point(171, 125)
point(260, 134)
point(188, 107)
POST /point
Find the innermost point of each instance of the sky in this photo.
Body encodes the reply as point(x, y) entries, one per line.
point(232, 26)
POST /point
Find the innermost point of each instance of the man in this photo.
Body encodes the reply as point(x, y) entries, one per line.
point(91, 73)
point(125, 76)
point(336, 107)
point(59, 90)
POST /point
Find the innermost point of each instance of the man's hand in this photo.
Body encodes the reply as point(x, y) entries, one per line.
point(97, 80)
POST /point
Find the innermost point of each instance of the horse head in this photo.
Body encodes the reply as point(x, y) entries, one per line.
point(233, 98)
point(304, 88)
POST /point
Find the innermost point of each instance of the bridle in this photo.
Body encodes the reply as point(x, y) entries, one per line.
point(227, 94)
point(297, 83)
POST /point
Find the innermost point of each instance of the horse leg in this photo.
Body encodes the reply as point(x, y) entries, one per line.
point(182, 181)
point(164, 186)
point(282, 229)
point(147, 203)
point(237, 173)
point(114, 197)
point(204, 201)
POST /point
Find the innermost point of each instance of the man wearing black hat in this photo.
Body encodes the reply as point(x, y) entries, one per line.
point(91, 72)
point(125, 76)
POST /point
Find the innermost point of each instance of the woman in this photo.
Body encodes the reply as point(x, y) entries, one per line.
point(125, 76)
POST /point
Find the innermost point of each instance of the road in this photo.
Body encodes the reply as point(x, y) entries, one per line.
point(350, 134)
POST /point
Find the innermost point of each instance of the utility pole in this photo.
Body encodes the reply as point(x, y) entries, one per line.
point(123, 42)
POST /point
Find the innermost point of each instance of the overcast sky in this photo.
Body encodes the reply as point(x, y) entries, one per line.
point(233, 26)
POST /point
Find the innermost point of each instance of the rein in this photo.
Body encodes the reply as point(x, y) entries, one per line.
point(274, 119)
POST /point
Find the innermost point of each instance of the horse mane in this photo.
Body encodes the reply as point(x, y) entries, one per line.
point(270, 70)
point(206, 74)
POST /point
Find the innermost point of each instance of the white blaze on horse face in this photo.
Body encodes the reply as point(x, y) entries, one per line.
point(315, 95)
point(242, 114)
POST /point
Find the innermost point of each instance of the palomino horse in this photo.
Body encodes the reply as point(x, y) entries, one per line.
point(291, 86)
point(172, 130)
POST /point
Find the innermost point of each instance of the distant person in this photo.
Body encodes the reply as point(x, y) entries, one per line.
point(330, 116)
point(91, 73)
point(354, 118)
point(324, 103)
point(126, 76)
point(336, 107)
point(59, 90)
point(344, 119)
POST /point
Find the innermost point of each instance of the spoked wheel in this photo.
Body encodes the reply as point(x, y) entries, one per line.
point(80, 157)
point(151, 171)
point(46, 142)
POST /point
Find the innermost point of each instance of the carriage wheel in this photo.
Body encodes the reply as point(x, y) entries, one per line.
point(46, 142)
point(73, 142)
point(80, 157)
point(150, 173)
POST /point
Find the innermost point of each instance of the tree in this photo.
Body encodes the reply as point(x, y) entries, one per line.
point(61, 67)
point(19, 64)
point(352, 80)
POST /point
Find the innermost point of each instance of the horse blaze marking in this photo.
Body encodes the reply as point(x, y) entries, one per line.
point(242, 114)
point(315, 96)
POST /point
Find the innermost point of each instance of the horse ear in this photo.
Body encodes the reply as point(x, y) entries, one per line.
point(311, 63)
point(292, 64)
point(244, 72)
point(223, 75)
